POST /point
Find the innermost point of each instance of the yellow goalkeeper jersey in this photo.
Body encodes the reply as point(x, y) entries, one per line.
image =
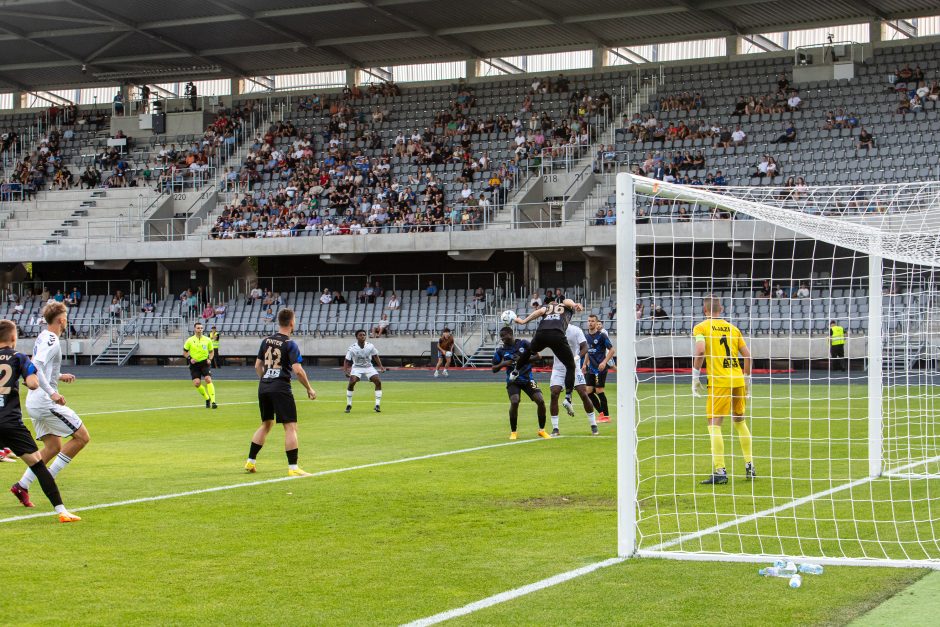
point(723, 343)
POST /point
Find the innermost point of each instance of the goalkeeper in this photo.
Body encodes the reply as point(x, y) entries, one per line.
point(720, 346)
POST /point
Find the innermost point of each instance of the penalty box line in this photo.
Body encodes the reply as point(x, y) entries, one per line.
point(322, 473)
point(560, 578)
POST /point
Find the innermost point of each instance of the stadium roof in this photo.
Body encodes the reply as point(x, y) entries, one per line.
point(45, 43)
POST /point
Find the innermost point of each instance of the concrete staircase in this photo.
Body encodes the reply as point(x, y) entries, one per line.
point(95, 214)
point(117, 353)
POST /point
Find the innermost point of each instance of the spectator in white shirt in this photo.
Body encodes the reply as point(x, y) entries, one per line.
point(738, 136)
point(793, 102)
point(326, 298)
point(803, 292)
point(393, 302)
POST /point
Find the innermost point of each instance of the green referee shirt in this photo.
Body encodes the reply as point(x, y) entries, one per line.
point(198, 347)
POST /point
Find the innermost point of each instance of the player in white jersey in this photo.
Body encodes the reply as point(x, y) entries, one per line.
point(358, 364)
point(52, 420)
point(579, 348)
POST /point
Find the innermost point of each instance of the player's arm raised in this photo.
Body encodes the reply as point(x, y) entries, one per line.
point(698, 360)
point(301, 375)
point(537, 313)
point(570, 304)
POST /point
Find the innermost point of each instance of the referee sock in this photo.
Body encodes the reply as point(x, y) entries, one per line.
point(718, 446)
point(202, 392)
point(554, 422)
point(378, 397)
point(48, 484)
point(744, 436)
point(61, 461)
point(603, 399)
point(292, 459)
point(349, 395)
point(253, 451)
point(210, 388)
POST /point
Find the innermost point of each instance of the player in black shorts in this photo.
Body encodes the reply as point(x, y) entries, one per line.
point(551, 334)
point(13, 433)
point(519, 380)
point(278, 357)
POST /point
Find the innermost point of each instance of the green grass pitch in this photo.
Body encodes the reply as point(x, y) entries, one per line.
point(384, 544)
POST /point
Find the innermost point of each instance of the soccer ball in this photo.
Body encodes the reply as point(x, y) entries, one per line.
point(507, 316)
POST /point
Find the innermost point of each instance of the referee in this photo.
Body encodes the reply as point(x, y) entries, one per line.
point(837, 345)
point(198, 351)
point(278, 357)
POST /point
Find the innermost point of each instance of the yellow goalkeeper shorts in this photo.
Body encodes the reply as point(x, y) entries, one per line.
point(725, 401)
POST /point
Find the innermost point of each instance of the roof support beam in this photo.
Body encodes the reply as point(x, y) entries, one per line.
point(628, 55)
point(906, 28)
point(503, 65)
point(380, 73)
point(763, 43)
point(97, 53)
point(581, 31)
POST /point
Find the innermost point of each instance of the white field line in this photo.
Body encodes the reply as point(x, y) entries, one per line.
point(536, 586)
point(322, 473)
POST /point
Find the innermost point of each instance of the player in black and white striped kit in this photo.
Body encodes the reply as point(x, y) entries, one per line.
point(551, 334)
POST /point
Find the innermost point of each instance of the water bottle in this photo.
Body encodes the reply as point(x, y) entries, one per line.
point(796, 581)
point(773, 571)
point(786, 567)
point(811, 569)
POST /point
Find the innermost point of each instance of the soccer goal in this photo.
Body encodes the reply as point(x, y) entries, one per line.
point(835, 290)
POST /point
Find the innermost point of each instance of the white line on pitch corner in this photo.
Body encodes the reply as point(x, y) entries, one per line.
point(235, 486)
point(515, 593)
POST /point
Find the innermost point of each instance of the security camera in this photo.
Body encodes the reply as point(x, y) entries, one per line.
point(84, 69)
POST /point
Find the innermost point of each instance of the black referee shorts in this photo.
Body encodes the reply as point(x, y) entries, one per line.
point(15, 436)
point(277, 404)
point(199, 370)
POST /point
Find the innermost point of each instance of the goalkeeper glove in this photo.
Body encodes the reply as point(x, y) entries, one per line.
point(747, 385)
point(698, 388)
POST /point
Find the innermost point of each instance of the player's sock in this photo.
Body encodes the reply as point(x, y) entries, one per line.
point(61, 461)
point(253, 451)
point(292, 459)
point(602, 397)
point(592, 419)
point(349, 396)
point(554, 422)
point(27, 479)
point(202, 392)
point(595, 401)
point(744, 437)
point(48, 484)
point(378, 397)
point(718, 446)
point(210, 388)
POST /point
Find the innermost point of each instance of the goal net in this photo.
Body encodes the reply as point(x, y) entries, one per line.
point(835, 291)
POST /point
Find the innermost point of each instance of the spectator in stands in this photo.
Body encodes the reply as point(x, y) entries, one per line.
point(118, 104)
point(916, 104)
point(338, 298)
point(326, 297)
point(764, 290)
point(904, 105)
point(147, 307)
point(381, 328)
point(659, 312)
point(431, 289)
point(268, 299)
point(255, 294)
point(535, 301)
point(549, 297)
point(780, 292)
point(90, 178)
point(192, 303)
point(738, 137)
point(75, 298)
point(789, 135)
point(367, 295)
point(220, 312)
point(208, 312)
point(267, 315)
point(865, 139)
point(59, 296)
point(610, 218)
point(803, 291)
point(794, 101)
point(639, 311)
point(114, 310)
point(393, 302)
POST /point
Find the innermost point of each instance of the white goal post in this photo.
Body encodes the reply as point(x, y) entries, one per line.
point(836, 291)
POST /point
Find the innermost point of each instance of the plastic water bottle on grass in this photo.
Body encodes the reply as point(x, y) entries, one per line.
point(773, 571)
point(786, 567)
point(796, 581)
point(811, 569)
